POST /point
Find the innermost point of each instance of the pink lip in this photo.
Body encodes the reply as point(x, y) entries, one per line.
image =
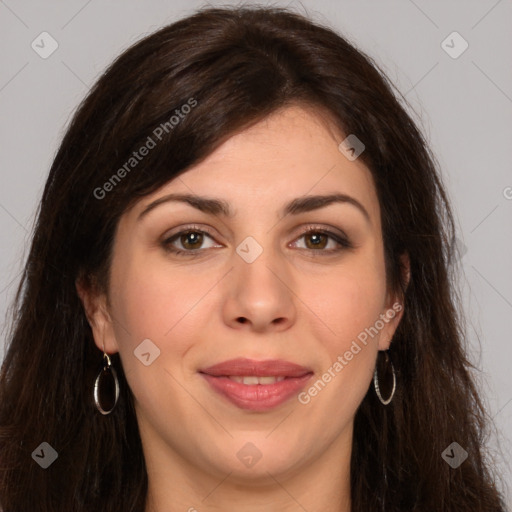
point(257, 397)
point(242, 366)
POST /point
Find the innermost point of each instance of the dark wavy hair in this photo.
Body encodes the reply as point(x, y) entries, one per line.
point(239, 64)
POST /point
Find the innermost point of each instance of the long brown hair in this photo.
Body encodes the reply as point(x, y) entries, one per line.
point(238, 65)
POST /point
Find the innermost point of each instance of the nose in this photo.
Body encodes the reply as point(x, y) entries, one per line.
point(259, 296)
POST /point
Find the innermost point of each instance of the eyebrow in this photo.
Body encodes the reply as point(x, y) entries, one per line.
point(220, 207)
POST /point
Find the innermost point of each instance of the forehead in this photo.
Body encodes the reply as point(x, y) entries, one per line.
point(291, 153)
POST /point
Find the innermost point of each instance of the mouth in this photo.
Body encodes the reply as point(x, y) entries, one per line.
point(256, 385)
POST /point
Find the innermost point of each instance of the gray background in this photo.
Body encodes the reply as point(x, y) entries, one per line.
point(463, 105)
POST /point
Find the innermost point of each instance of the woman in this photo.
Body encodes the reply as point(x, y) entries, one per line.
point(238, 295)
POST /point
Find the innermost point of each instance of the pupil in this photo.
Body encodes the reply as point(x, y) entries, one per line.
point(192, 238)
point(316, 239)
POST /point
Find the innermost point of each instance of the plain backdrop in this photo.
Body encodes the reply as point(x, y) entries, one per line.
point(462, 102)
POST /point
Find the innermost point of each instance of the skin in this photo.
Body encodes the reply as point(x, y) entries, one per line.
point(191, 309)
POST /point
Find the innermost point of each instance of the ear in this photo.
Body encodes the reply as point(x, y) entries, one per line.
point(97, 312)
point(394, 309)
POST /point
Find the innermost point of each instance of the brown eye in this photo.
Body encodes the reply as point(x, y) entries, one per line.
point(318, 239)
point(191, 242)
point(187, 242)
point(191, 239)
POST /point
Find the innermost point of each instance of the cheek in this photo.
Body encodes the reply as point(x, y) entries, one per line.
point(152, 300)
point(163, 302)
point(346, 351)
point(345, 303)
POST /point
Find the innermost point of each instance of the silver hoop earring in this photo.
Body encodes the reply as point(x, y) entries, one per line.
point(106, 387)
point(376, 382)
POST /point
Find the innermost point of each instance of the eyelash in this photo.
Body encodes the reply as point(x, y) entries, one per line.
point(344, 243)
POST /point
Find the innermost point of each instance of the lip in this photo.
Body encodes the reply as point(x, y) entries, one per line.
point(257, 397)
point(243, 366)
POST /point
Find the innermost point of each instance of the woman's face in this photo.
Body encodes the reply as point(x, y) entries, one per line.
point(252, 285)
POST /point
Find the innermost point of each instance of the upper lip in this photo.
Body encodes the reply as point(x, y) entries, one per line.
point(244, 367)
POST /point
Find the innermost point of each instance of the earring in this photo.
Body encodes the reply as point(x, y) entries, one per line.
point(106, 383)
point(376, 382)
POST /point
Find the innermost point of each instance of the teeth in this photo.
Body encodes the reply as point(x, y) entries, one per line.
point(251, 380)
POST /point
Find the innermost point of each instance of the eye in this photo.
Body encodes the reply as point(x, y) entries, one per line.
point(319, 238)
point(192, 239)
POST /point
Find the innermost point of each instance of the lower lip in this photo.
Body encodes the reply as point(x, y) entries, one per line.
point(257, 397)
